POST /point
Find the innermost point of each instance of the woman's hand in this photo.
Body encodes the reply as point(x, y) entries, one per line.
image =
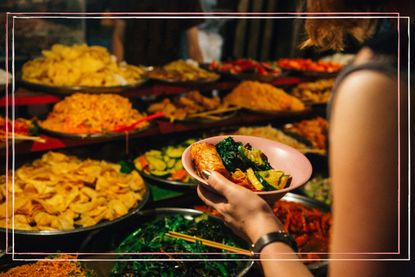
point(244, 211)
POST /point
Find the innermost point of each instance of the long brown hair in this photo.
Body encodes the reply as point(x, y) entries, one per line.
point(330, 34)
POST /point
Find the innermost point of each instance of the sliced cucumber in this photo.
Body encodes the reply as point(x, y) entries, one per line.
point(253, 179)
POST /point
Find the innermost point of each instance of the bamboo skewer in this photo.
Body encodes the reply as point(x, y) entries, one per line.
point(314, 151)
point(224, 110)
point(211, 117)
point(24, 137)
point(210, 243)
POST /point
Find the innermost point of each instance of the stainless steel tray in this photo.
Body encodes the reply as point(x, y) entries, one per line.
point(67, 90)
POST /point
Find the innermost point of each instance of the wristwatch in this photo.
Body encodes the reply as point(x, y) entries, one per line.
point(274, 237)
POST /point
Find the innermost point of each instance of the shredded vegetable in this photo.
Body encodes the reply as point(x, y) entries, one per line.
point(309, 226)
point(49, 268)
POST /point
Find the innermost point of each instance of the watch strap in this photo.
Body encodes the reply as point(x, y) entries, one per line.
point(279, 236)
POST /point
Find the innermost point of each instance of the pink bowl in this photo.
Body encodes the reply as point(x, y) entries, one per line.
point(280, 156)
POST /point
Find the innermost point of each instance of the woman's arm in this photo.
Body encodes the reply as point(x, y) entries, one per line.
point(118, 39)
point(193, 46)
point(249, 215)
point(364, 167)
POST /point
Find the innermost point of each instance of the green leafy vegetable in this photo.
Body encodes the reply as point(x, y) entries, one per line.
point(231, 158)
point(151, 238)
point(126, 166)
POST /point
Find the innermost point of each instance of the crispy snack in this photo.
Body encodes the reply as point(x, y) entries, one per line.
point(260, 96)
point(50, 268)
point(59, 192)
point(205, 157)
point(182, 107)
point(271, 133)
point(80, 65)
point(92, 114)
point(314, 130)
point(314, 92)
point(182, 71)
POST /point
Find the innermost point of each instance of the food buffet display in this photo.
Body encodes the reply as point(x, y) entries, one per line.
point(22, 127)
point(80, 66)
point(317, 92)
point(165, 165)
point(91, 114)
point(308, 65)
point(262, 97)
point(192, 106)
point(153, 236)
point(50, 267)
point(248, 69)
point(61, 192)
point(181, 71)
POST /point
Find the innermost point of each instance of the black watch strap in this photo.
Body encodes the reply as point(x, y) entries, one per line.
point(274, 237)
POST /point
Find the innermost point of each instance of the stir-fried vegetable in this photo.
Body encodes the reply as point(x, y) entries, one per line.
point(165, 163)
point(319, 188)
point(250, 167)
point(151, 238)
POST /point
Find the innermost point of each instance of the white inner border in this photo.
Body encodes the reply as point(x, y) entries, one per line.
point(207, 17)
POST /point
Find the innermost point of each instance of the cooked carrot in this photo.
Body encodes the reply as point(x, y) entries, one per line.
point(179, 175)
point(143, 161)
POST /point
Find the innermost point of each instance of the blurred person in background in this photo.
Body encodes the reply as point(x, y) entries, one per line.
point(363, 154)
point(147, 41)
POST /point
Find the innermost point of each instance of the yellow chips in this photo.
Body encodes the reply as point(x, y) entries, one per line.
point(80, 65)
point(59, 192)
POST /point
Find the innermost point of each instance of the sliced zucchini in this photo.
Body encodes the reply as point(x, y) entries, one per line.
point(189, 142)
point(156, 164)
point(166, 158)
point(275, 178)
point(272, 177)
point(160, 173)
point(171, 163)
point(153, 153)
point(285, 181)
point(264, 183)
point(178, 165)
point(254, 158)
point(253, 179)
point(174, 152)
